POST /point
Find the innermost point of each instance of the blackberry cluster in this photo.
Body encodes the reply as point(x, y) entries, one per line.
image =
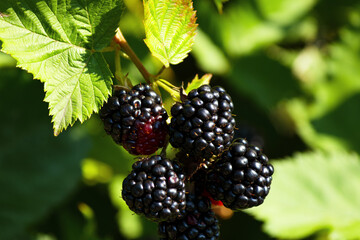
point(136, 119)
point(198, 222)
point(202, 125)
point(155, 188)
point(241, 178)
point(217, 172)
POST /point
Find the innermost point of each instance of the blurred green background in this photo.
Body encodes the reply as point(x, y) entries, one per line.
point(293, 69)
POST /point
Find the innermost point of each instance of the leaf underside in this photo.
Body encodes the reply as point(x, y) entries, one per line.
point(170, 27)
point(60, 43)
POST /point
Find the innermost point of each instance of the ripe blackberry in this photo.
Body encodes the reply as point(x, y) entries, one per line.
point(198, 222)
point(203, 125)
point(241, 178)
point(136, 119)
point(155, 188)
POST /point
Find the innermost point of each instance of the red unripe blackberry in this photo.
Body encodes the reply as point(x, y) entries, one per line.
point(155, 188)
point(136, 119)
point(198, 222)
point(202, 125)
point(241, 178)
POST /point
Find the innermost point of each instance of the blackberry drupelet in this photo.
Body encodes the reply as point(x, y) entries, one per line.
point(136, 119)
point(197, 222)
point(202, 125)
point(155, 188)
point(241, 178)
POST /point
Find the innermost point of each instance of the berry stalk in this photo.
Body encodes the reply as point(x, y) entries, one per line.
point(169, 88)
point(118, 71)
point(120, 39)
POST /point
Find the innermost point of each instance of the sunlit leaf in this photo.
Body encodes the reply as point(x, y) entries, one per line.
point(170, 29)
point(60, 43)
point(197, 82)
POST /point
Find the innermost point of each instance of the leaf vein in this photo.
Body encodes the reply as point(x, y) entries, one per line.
point(47, 37)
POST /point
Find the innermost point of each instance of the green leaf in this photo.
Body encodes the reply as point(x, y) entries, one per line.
point(60, 43)
point(196, 82)
point(170, 29)
point(313, 192)
point(37, 171)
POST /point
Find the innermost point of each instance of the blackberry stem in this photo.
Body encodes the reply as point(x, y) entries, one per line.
point(120, 39)
point(169, 88)
point(160, 72)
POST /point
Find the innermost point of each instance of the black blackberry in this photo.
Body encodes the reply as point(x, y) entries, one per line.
point(198, 222)
point(241, 178)
point(136, 119)
point(155, 188)
point(203, 125)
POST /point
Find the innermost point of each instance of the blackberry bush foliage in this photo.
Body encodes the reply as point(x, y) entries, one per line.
point(176, 193)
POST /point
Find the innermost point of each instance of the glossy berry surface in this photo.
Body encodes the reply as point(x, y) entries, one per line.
point(241, 178)
point(202, 125)
point(155, 188)
point(136, 119)
point(198, 222)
